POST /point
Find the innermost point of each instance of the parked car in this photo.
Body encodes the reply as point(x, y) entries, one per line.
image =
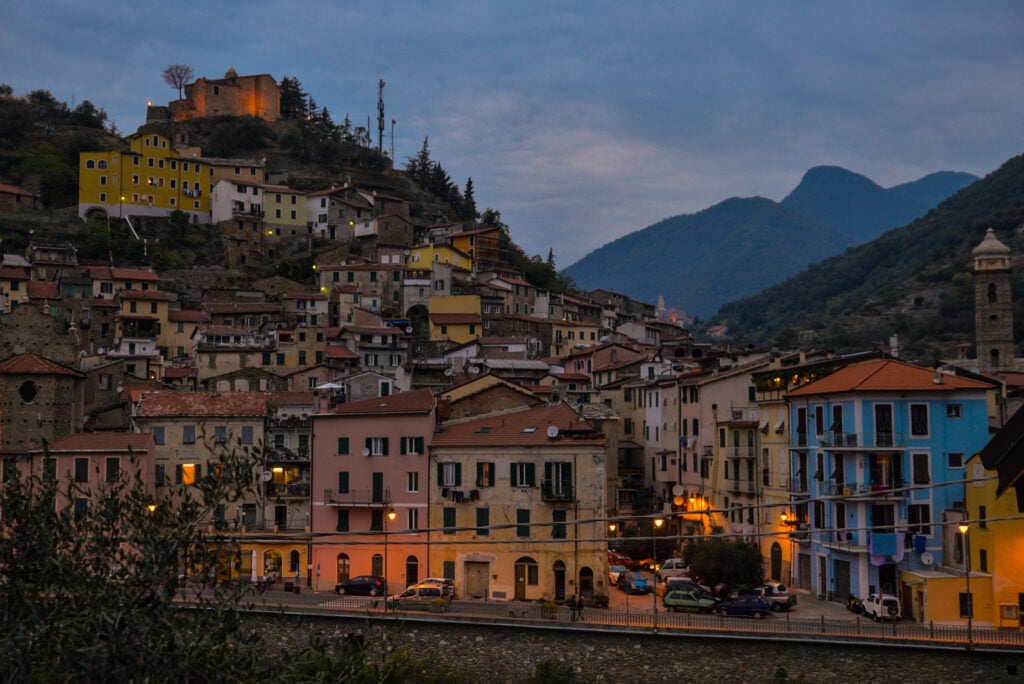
point(778, 597)
point(613, 573)
point(882, 607)
point(672, 567)
point(685, 583)
point(633, 582)
point(446, 584)
point(417, 597)
point(689, 600)
point(362, 585)
point(749, 605)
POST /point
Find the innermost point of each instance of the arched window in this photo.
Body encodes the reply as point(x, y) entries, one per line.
point(559, 571)
point(272, 563)
point(90, 164)
point(586, 581)
point(344, 566)
point(293, 561)
point(529, 568)
point(102, 164)
point(992, 293)
point(377, 565)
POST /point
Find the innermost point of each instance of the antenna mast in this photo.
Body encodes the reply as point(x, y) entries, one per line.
point(380, 116)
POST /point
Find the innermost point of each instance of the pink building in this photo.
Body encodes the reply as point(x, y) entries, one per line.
point(370, 460)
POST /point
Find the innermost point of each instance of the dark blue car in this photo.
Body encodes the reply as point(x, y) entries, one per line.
point(750, 605)
point(632, 582)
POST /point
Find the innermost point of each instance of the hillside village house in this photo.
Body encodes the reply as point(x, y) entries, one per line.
point(508, 494)
point(369, 496)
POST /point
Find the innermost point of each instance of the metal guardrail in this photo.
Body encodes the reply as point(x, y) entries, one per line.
point(777, 626)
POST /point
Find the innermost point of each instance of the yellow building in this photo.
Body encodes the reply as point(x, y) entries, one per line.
point(455, 318)
point(567, 335)
point(151, 179)
point(423, 256)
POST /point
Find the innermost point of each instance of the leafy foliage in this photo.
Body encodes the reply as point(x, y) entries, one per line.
point(238, 136)
point(721, 561)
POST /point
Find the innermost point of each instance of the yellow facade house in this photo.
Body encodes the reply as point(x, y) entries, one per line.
point(455, 318)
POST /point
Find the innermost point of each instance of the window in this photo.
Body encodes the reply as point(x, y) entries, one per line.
point(412, 481)
point(954, 410)
point(921, 469)
point(558, 523)
point(819, 420)
point(377, 446)
point(484, 474)
point(113, 469)
point(220, 434)
point(81, 508)
point(966, 605)
point(522, 522)
point(280, 359)
point(343, 446)
point(449, 474)
point(955, 461)
point(186, 473)
point(81, 470)
point(523, 475)
point(188, 434)
point(158, 434)
point(413, 519)
point(483, 521)
point(819, 515)
point(919, 519)
point(343, 482)
point(377, 520)
point(919, 420)
point(982, 517)
point(448, 516)
point(983, 560)
point(558, 478)
point(342, 525)
point(247, 434)
point(411, 445)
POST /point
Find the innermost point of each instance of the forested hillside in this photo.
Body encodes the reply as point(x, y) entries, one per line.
point(915, 281)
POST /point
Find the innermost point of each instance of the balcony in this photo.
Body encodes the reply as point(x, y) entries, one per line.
point(861, 489)
point(284, 454)
point(555, 490)
point(741, 452)
point(863, 440)
point(741, 486)
point(359, 498)
point(289, 490)
point(289, 422)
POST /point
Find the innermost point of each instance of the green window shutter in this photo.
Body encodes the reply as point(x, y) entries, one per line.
point(480, 474)
point(449, 519)
point(378, 487)
point(384, 449)
point(419, 445)
point(483, 521)
point(531, 474)
point(547, 474)
point(343, 483)
point(558, 528)
point(567, 477)
point(458, 474)
point(440, 474)
point(513, 475)
point(403, 446)
point(522, 522)
point(342, 520)
point(343, 445)
point(369, 445)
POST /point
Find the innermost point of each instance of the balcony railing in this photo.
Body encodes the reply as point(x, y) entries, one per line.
point(741, 486)
point(741, 452)
point(275, 454)
point(290, 490)
point(862, 440)
point(556, 490)
point(862, 488)
point(365, 498)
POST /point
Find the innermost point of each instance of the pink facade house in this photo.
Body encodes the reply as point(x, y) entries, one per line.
point(369, 462)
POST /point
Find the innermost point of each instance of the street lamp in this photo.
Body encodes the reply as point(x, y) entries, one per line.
point(389, 517)
point(964, 527)
point(658, 522)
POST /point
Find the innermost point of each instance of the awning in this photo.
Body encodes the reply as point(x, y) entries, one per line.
point(781, 425)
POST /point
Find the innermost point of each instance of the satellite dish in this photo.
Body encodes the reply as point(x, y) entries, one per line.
point(448, 372)
point(366, 452)
point(552, 431)
point(266, 476)
point(408, 329)
point(927, 558)
point(473, 370)
point(677, 490)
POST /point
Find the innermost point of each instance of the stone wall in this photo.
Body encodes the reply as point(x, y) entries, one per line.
point(484, 653)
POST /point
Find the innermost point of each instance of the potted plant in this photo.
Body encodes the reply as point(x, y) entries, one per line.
point(438, 605)
point(549, 610)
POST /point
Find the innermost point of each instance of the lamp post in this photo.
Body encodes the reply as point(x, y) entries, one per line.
point(658, 522)
point(964, 527)
point(388, 517)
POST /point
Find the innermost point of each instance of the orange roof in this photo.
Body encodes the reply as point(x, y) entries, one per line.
point(414, 401)
point(333, 351)
point(151, 295)
point(522, 428)
point(38, 289)
point(13, 273)
point(134, 274)
point(292, 398)
point(172, 372)
point(227, 404)
point(30, 364)
point(187, 316)
point(887, 375)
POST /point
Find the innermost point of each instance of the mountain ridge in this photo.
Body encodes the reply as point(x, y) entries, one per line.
point(729, 265)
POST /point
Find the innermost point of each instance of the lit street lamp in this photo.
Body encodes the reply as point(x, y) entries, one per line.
point(658, 522)
point(389, 517)
point(964, 527)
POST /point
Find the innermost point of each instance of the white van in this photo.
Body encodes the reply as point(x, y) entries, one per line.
point(673, 567)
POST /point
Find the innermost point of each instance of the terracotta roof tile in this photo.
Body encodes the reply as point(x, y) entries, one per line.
point(227, 404)
point(42, 290)
point(187, 316)
point(335, 352)
point(30, 364)
point(886, 375)
point(521, 428)
point(292, 398)
point(415, 401)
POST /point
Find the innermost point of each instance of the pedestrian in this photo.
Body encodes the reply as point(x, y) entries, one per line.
point(579, 606)
point(572, 607)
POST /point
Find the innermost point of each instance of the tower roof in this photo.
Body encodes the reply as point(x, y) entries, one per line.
point(990, 246)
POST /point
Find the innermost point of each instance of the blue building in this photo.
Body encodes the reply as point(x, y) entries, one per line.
point(877, 457)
